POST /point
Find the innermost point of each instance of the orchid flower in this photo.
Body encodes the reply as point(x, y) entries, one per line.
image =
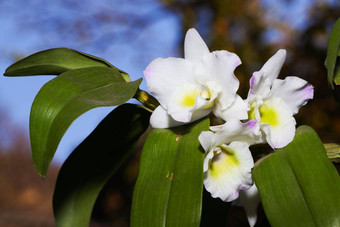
point(228, 161)
point(190, 88)
point(250, 200)
point(273, 102)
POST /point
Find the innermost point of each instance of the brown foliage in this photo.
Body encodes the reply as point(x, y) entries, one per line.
point(25, 198)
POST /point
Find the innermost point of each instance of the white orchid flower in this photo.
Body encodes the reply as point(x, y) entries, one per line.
point(273, 102)
point(250, 200)
point(190, 88)
point(228, 161)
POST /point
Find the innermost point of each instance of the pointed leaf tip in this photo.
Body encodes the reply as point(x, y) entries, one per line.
point(332, 53)
point(56, 61)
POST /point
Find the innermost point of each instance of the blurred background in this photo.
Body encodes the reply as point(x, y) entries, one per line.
point(130, 34)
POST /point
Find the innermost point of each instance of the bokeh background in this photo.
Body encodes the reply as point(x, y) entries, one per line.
point(130, 34)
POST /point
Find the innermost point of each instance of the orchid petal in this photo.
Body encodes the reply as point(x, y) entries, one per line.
point(259, 86)
point(206, 139)
point(219, 66)
point(277, 122)
point(187, 115)
point(237, 110)
point(261, 81)
point(272, 67)
point(235, 130)
point(228, 171)
point(194, 46)
point(165, 75)
point(280, 137)
point(250, 200)
point(161, 119)
point(295, 92)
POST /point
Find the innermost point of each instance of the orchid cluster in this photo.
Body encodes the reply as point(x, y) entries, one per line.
point(204, 83)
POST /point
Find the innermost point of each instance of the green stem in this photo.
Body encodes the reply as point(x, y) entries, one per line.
point(146, 99)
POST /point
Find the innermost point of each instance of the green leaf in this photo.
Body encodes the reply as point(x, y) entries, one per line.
point(169, 187)
point(337, 74)
point(333, 152)
point(332, 52)
point(94, 161)
point(56, 61)
point(66, 97)
point(298, 184)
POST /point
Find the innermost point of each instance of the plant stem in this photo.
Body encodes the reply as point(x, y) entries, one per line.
point(146, 99)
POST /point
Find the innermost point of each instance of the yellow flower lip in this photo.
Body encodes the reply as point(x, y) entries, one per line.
point(251, 112)
point(188, 100)
point(268, 114)
point(188, 96)
point(188, 93)
point(223, 162)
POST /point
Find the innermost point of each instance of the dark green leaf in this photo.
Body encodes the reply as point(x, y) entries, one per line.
point(56, 61)
point(169, 187)
point(94, 161)
point(337, 73)
point(332, 52)
point(66, 97)
point(298, 184)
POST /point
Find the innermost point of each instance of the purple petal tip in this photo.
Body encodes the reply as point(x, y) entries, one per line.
point(309, 92)
point(251, 123)
point(252, 82)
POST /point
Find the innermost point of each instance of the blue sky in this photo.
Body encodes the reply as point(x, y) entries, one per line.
point(102, 28)
point(31, 26)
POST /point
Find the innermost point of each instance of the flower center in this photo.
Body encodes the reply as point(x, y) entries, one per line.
point(224, 161)
point(205, 94)
point(268, 114)
point(189, 96)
